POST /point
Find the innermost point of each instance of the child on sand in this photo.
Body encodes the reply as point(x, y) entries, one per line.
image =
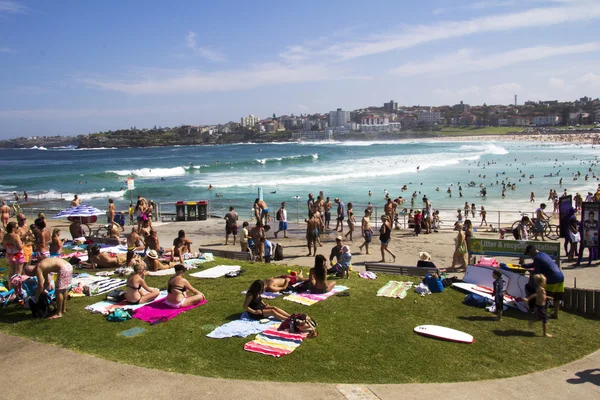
point(541, 303)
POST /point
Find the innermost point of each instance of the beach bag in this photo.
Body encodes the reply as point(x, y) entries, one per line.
point(118, 315)
point(463, 248)
point(116, 296)
point(300, 323)
point(575, 237)
point(516, 234)
point(41, 308)
point(278, 256)
point(475, 300)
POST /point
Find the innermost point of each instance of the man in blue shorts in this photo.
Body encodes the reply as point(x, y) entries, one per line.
point(282, 218)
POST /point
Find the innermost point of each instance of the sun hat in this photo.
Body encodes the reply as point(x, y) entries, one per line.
point(152, 254)
point(338, 238)
point(425, 256)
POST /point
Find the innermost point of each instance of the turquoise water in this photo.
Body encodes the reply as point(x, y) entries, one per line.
point(348, 170)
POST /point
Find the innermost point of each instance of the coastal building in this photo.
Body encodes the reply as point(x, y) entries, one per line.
point(339, 117)
point(391, 106)
point(462, 107)
point(597, 116)
point(249, 121)
point(545, 120)
point(378, 123)
point(428, 118)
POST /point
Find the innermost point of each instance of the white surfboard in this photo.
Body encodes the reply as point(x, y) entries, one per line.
point(440, 332)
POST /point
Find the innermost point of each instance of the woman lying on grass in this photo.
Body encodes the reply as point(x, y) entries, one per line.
point(176, 289)
point(281, 283)
point(257, 308)
point(138, 291)
point(318, 276)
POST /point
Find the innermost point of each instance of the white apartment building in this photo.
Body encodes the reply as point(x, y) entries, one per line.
point(429, 117)
point(249, 121)
point(545, 120)
point(339, 117)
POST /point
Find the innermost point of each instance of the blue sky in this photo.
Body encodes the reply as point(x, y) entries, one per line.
point(75, 67)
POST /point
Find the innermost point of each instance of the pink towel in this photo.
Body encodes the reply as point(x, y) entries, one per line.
point(160, 312)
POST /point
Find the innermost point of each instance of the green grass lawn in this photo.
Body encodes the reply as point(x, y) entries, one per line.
point(362, 338)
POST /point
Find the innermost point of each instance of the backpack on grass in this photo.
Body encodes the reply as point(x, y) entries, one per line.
point(300, 323)
point(278, 253)
point(41, 308)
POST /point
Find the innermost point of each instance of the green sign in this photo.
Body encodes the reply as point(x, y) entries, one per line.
point(512, 248)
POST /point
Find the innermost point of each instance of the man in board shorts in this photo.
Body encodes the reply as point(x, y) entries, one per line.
point(555, 280)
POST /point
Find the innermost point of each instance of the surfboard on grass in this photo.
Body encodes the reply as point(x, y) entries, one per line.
point(443, 333)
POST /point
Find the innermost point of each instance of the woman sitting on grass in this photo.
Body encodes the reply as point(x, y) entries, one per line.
point(138, 291)
point(318, 276)
point(176, 289)
point(153, 263)
point(257, 309)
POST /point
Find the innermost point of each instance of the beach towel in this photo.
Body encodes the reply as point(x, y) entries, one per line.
point(267, 295)
point(104, 286)
point(308, 298)
point(242, 327)
point(105, 307)
point(395, 289)
point(158, 311)
point(86, 279)
point(188, 264)
point(275, 343)
point(216, 272)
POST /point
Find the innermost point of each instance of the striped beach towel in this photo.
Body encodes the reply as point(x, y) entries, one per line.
point(308, 298)
point(275, 343)
point(395, 289)
point(105, 286)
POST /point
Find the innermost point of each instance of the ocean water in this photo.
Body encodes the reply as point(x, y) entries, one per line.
point(348, 170)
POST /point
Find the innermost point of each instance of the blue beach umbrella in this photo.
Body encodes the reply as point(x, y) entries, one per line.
point(80, 211)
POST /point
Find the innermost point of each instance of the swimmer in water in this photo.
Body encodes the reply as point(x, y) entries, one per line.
point(209, 187)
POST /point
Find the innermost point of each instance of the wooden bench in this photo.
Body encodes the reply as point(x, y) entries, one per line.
point(232, 255)
point(399, 269)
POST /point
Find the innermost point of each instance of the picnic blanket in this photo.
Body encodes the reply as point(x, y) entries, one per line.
point(395, 289)
point(275, 343)
point(216, 272)
point(242, 327)
point(158, 311)
point(105, 307)
point(266, 295)
point(308, 298)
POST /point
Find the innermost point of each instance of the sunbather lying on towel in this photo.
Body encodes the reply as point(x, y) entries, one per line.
point(105, 259)
point(138, 291)
point(177, 287)
point(280, 283)
point(257, 308)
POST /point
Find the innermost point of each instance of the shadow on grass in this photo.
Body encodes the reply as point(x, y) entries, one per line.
point(13, 315)
point(589, 375)
point(233, 317)
point(514, 332)
point(478, 318)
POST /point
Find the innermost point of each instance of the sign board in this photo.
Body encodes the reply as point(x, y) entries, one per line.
point(512, 248)
point(565, 212)
point(130, 184)
point(590, 226)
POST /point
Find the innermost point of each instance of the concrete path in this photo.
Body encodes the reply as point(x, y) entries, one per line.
point(36, 370)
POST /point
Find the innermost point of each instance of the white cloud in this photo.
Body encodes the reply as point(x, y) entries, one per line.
point(557, 83)
point(205, 52)
point(480, 5)
point(465, 60)
point(412, 36)
point(194, 81)
point(590, 79)
point(11, 7)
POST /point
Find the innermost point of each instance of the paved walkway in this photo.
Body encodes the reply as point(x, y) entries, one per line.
point(36, 370)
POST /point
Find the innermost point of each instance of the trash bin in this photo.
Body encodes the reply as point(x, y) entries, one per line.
point(192, 211)
point(203, 210)
point(180, 211)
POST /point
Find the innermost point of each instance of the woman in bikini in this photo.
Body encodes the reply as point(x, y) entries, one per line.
point(385, 233)
point(42, 239)
point(256, 308)
point(56, 244)
point(176, 289)
point(138, 291)
point(14, 251)
point(351, 221)
point(105, 259)
point(317, 276)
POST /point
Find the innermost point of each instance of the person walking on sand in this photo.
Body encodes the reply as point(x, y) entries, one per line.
point(473, 210)
point(328, 207)
point(385, 233)
point(5, 214)
point(312, 235)
point(351, 222)
point(460, 249)
point(483, 214)
point(231, 227)
point(341, 214)
point(283, 222)
point(367, 231)
point(310, 205)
